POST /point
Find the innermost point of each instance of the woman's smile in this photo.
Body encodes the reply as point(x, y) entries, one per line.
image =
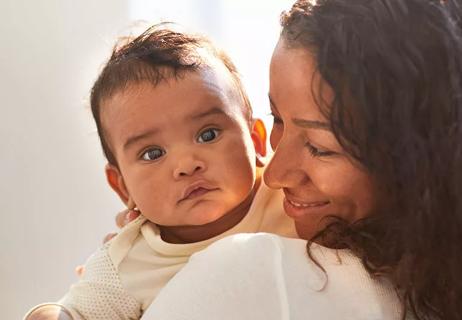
point(297, 209)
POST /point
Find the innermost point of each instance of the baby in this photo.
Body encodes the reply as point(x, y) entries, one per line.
point(177, 130)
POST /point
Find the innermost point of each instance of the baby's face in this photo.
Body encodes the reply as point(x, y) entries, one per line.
point(183, 147)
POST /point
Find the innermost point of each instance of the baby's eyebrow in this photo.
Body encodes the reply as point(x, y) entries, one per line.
point(135, 138)
point(211, 111)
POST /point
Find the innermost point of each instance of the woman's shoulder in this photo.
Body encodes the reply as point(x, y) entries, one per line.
point(296, 271)
point(249, 249)
point(248, 243)
point(265, 276)
point(244, 253)
point(226, 281)
point(255, 245)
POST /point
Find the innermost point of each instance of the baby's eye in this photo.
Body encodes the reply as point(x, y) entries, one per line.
point(152, 154)
point(208, 135)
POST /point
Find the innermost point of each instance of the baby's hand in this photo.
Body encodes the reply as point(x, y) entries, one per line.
point(123, 218)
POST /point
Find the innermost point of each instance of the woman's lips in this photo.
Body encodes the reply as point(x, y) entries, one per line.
point(296, 209)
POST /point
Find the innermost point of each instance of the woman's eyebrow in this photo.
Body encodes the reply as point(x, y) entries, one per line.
point(311, 124)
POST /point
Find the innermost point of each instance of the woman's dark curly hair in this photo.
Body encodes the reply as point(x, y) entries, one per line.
point(395, 67)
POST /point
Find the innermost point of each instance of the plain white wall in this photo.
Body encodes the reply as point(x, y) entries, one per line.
point(55, 205)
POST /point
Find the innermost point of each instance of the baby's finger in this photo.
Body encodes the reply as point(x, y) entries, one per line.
point(132, 215)
point(109, 237)
point(121, 218)
point(79, 270)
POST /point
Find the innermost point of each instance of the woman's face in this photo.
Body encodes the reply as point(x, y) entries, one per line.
point(318, 178)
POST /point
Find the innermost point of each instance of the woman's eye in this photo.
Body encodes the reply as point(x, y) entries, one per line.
point(318, 152)
point(208, 135)
point(152, 154)
point(276, 118)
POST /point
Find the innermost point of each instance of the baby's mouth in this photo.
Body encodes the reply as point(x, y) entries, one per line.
point(196, 190)
point(196, 193)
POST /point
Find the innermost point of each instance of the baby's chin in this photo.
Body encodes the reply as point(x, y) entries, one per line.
point(206, 214)
point(201, 214)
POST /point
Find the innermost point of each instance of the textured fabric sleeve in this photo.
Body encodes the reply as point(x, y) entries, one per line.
point(99, 294)
point(238, 277)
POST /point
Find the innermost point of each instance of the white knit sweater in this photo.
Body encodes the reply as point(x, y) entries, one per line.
point(267, 277)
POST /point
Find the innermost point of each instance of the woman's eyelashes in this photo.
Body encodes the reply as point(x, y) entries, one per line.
point(208, 135)
point(318, 152)
point(276, 118)
point(152, 154)
point(314, 151)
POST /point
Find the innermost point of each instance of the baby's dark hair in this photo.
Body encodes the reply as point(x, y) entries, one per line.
point(158, 54)
point(395, 67)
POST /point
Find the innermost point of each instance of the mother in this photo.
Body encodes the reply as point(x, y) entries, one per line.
point(367, 103)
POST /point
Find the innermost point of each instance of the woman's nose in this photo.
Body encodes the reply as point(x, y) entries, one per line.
point(284, 170)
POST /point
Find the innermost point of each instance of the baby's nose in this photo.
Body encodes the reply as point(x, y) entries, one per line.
point(188, 168)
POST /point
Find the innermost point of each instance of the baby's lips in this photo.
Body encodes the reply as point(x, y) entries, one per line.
point(194, 186)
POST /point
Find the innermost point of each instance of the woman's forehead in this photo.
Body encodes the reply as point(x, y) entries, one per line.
point(295, 81)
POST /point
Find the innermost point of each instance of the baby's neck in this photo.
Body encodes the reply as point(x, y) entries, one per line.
point(190, 234)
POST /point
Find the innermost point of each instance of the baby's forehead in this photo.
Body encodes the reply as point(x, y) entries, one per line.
point(193, 91)
point(218, 80)
point(209, 78)
point(216, 75)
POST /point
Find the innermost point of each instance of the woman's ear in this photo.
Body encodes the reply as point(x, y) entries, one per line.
point(116, 181)
point(258, 134)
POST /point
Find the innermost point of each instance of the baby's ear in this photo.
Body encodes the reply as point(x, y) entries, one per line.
point(259, 140)
point(116, 181)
